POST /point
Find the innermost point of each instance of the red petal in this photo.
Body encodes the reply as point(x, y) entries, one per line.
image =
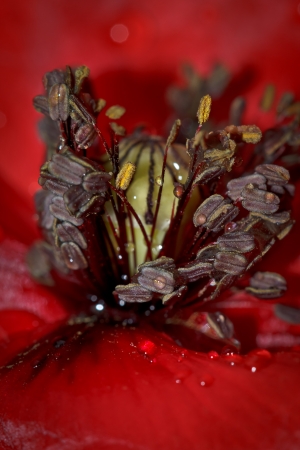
point(15, 210)
point(259, 38)
point(92, 386)
point(19, 291)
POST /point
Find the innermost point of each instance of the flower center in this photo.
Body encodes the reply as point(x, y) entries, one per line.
point(142, 219)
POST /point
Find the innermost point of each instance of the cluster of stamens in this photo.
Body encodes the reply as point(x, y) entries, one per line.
point(210, 240)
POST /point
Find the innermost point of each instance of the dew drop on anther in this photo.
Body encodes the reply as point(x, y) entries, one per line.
point(230, 226)
point(201, 219)
point(160, 282)
point(129, 247)
point(158, 181)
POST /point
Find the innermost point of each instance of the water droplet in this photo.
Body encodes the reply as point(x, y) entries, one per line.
point(233, 359)
point(206, 380)
point(147, 347)
point(160, 282)
point(213, 355)
point(178, 190)
point(201, 219)
point(182, 375)
point(230, 226)
point(119, 33)
point(129, 247)
point(257, 359)
point(158, 181)
point(229, 350)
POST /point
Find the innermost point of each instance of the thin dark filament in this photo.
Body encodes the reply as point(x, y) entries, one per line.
point(173, 210)
point(163, 170)
point(114, 153)
point(135, 215)
point(120, 243)
point(197, 296)
point(133, 238)
point(168, 167)
point(103, 141)
point(109, 242)
point(198, 239)
point(81, 110)
point(99, 267)
point(123, 233)
point(179, 158)
point(115, 234)
point(127, 150)
point(175, 225)
point(138, 156)
point(62, 129)
point(188, 251)
point(149, 213)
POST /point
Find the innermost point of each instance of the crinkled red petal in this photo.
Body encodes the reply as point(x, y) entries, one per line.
point(88, 386)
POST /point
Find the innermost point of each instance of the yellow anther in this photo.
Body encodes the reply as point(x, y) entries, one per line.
point(125, 175)
point(204, 109)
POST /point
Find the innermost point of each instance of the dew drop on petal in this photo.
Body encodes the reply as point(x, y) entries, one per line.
point(257, 359)
point(206, 380)
point(147, 347)
point(229, 350)
point(182, 375)
point(119, 33)
point(213, 355)
point(232, 359)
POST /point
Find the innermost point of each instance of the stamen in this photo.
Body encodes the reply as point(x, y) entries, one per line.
point(125, 176)
point(199, 240)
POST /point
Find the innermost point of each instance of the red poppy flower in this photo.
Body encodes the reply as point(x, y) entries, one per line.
point(71, 382)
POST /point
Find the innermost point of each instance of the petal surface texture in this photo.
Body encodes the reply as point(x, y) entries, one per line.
point(87, 386)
